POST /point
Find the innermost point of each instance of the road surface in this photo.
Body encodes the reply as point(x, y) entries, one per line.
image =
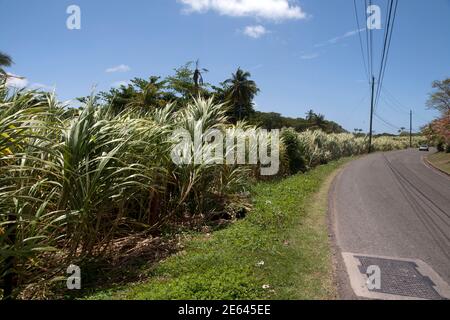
point(392, 204)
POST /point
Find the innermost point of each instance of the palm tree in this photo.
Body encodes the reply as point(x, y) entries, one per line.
point(319, 121)
point(197, 77)
point(149, 93)
point(5, 61)
point(241, 91)
point(310, 115)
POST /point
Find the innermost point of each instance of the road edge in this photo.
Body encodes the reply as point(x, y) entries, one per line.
point(430, 165)
point(340, 275)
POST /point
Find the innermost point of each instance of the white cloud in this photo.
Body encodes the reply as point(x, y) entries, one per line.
point(119, 68)
point(14, 81)
point(266, 9)
point(346, 35)
point(339, 38)
point(118, 84)
point(258, 66)
point(309, 56)
point(255, 31)
point(43, 86)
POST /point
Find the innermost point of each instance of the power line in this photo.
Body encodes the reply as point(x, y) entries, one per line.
point(393, 99)
point(360, 40)
point(386, 122)
point(371, 116)
point(390, 28)
point(369, 68)
point(358, 104)
point(389, 46)
point(387, 94)
point(392, 106)
point(386, 37)
point(369, 53)
point(401, 110)
point(371, 44)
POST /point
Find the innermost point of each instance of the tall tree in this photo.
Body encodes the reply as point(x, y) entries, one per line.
point(140, 94)
point(319, 121)
point(186, 83)
point(240, 93)
point(198, 77)
point(438, 131)
point(440, 98)
point(150, 94)
point(310, 115)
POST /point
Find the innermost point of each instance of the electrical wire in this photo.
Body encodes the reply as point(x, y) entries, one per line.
point(386, 122)
point(386, 37)
point(358, 26)
point(368, 43)
point(387, 47)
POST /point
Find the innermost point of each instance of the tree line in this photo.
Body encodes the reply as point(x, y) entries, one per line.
point(438, 131)
point(236, 93)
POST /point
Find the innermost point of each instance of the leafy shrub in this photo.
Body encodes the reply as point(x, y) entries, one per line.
point(71, 184)
point(293, 151)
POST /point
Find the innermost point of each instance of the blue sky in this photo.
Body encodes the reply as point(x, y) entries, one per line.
point(302, 54)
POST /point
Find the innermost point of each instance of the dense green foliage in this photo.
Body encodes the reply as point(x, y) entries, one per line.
point(294, 154)
point(317, 147)
point(5, 61)
point(237, 93)
point(272, 120)
point(280, 251)
point(73, 180)
point(440, 98)
point(70, 184)
point(438, 131)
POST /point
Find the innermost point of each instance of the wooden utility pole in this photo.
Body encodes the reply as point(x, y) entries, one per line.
point(410, 128)
point(371, 114)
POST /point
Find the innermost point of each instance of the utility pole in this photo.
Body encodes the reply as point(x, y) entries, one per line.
point(371, 115)
point(410, 128)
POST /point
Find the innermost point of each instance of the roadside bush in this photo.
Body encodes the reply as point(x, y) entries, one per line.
point(318, 147)
point(69, 185)
point(293, 151)
point(72, 182)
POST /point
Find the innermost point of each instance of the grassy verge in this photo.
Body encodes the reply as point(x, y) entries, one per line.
point(441, 160)
point(280, 251)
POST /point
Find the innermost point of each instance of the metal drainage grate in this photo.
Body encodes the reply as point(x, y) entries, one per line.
point(400, 278)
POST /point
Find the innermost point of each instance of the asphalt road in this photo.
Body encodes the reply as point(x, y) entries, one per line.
point(392, 204)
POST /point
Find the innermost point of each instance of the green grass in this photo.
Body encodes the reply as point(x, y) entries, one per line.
point(441, 160)
point(287, 229)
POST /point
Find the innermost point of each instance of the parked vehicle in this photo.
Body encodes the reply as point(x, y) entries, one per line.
point(424, 148)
